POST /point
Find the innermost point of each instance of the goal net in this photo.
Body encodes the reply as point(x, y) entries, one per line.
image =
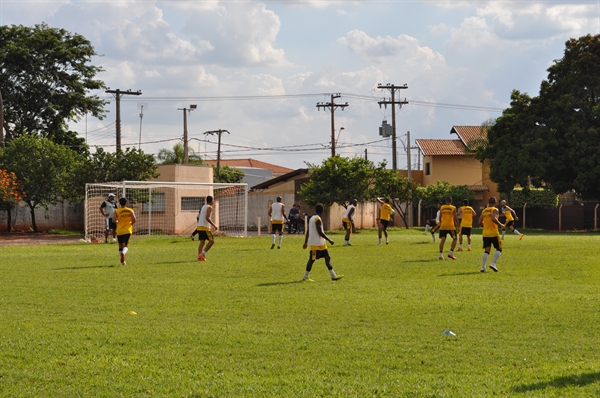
point(169, 208)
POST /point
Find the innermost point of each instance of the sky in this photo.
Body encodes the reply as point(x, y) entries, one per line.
point(259, 69)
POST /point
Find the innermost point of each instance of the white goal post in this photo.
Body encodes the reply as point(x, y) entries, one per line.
point(169, 208)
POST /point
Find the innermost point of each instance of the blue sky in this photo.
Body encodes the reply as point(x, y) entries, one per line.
point(259, 68)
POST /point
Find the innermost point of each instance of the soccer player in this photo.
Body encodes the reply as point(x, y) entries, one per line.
point(434, 223)
point(107, 208)
point(348, 220)
point(466, 223)
point(196, 230)
point(204, 233)
point(124, 218)
point(293, 218)
point(277, 215)
point(448, 223)
point(384, 218)
point(489, 220)
point(315, 238)
point(511, 216)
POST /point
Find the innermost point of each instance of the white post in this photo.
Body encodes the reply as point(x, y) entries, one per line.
point(258, 222)
point(419, 210)
point(524, 215)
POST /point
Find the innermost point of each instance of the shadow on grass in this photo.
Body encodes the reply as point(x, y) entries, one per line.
point(279, 283)
point(560, 382)
point(462, 273)
point(90, 267)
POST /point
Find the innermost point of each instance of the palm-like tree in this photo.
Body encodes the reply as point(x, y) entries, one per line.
point(175, 156)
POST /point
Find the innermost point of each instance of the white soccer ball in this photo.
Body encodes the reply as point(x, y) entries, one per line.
point(392, 212)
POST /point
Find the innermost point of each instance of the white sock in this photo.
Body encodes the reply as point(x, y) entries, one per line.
point(332, 273)
point(306, 274)
point(441, 254)
point(203, 253)
point(379, 241)
point(125, 250)
point(484, 259)
point(346, 242)
point(273, 239)
point(427, 228)
point(516, 232)
point(280, 239)
point(496, 257)
point(503, 231)
point(460, 246)
point(469, 246)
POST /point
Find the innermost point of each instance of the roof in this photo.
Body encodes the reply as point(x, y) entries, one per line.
point(479, 188)
point(283, 178)
point(469, 133)
point(431, 147)
point(251, 163)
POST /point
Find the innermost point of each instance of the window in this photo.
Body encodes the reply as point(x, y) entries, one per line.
point(157, 202)
point(427, 168)
point(192, 203)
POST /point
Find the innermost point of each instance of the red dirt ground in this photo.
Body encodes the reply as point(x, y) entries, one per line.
point(34, 238)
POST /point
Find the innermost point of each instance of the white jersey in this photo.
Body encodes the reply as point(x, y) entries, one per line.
point(109, 208)
point(437, 217)
point(276, 213)
point(347, 213)
point(314, 239)
point(202, 222)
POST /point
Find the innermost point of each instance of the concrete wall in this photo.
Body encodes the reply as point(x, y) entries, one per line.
point(457, 170)
point(62, 216)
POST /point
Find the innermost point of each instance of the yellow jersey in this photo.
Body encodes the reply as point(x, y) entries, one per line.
point(507, 212)
point(467, 217)
point(447, 213)
point(490, 228)
point(124, 221)
point(385, 212)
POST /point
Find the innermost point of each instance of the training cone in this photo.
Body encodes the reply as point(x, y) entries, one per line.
point(132, 313)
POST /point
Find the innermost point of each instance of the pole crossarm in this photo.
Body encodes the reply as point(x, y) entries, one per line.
point(118, 94)
point(219, 133)
point(393, 102)
point(332, 106)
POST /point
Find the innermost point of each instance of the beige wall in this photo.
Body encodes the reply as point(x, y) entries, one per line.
point(184, 173)
point(457, 170)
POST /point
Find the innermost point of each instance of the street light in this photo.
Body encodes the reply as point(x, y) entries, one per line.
point(338, 137)
point(185, 132)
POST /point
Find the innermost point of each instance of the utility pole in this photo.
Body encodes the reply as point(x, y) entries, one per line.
point(219, 132)
point(332, 107)
point(185, 132)
point(118, 94)
point(1, 121)
point(393, 102)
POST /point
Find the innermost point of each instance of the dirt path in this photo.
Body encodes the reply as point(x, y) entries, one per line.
point(33, 238)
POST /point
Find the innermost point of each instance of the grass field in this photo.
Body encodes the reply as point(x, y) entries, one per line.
point(243, 325)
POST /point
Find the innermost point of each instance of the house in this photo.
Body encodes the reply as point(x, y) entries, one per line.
point(255, 171)
point(453, 160)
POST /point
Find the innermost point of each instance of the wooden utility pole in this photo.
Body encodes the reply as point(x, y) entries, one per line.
point(118, 94)
point(185, 132)
point(332, 107)
point(1, 121)
point(218, 132)
point(393, 102)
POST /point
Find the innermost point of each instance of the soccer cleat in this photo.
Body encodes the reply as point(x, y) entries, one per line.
point(124, 263)
point(192, 237)
point(307, 280)
point(521, 237)
point(279, 247)
point(482, 270)
point(349, 244)
point(502, 238)
point(440, 258)
point(493, 267)
point(114, 240)
point(451, 256)
point(469, 249)
point(459, 249)
point(387, 243)
point(337, 277)
point(378, 243)
point(201, 257)
point(273, 246)
point(122, 258)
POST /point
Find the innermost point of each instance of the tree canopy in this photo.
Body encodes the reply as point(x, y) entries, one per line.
point(552, 140)
point(229, 174)
point(402, 191)
point(45, 77)
point(339, 180)
point(176, 155)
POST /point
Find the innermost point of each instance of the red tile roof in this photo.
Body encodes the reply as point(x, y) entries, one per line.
point(251, 163)
point(431, 147)
point(469, 133)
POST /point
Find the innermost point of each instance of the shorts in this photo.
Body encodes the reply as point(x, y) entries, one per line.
point(446, 232)
point(347, 225)
point(205, 235)
point(110, 224)
point(510, 223)
point(385, 223)
point(435, 227)
point(465, 231)
point(317, 254)
point(123, 239)
point(277, 227)
point(492, 241)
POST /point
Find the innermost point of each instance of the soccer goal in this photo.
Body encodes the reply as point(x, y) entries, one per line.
point(169, 208)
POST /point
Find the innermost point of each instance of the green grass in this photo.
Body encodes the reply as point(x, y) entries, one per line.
point(242, 325)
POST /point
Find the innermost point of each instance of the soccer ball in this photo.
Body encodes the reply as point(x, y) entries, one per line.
point(392, 212)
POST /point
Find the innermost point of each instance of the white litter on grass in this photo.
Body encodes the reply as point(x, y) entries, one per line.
point(449, 333)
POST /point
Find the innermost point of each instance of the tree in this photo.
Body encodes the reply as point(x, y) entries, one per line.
point(43, 168)
point(44, 79)
point(176, 155)
point(9, 194)
point(438, 192)
point(552, 140)
point(229, 174)
point(339, 180)
point(402, 191)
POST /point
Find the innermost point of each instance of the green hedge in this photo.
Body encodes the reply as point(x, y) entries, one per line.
point(534, 197)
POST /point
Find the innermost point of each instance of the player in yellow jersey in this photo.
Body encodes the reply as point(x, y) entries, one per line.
point(385, 214)
point(315, 238)
point(490, 223)
point(348, 220)
point(124, 218)
point(466, 223)
point(204, 232)
point(511, 217)
point(448, 224)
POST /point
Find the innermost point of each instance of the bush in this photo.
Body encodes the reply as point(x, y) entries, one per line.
point(534, 197)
